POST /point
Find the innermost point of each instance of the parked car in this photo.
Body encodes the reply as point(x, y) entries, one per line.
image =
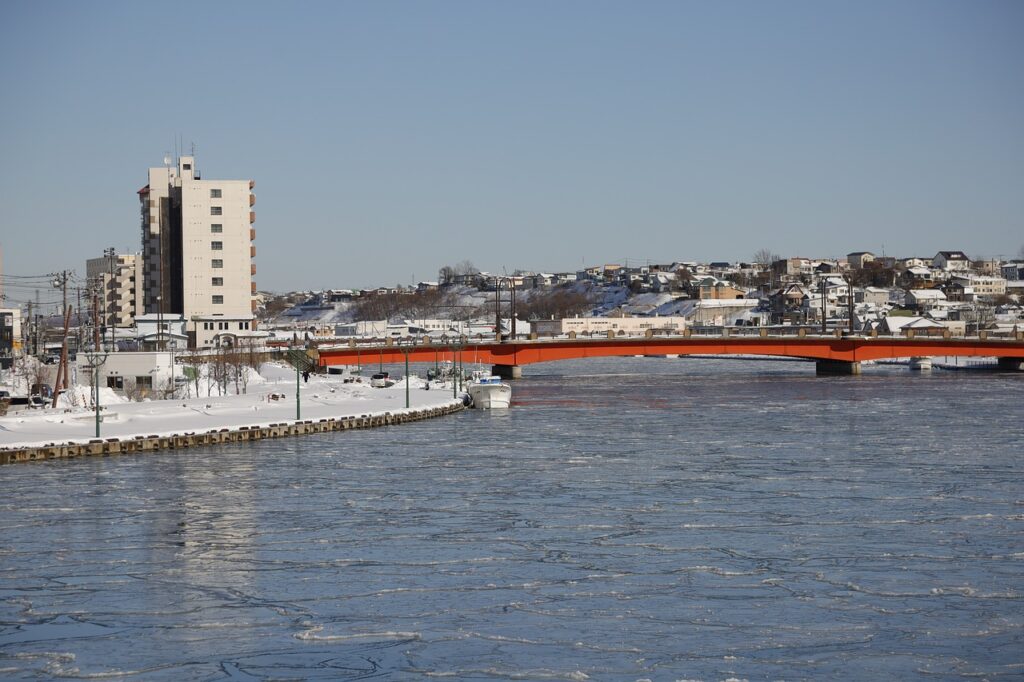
point(379, 380)
point(42, 390)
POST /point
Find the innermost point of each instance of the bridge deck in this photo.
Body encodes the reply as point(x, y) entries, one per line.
point(523, 352)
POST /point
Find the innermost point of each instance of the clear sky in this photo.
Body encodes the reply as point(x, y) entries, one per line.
point(390, 138)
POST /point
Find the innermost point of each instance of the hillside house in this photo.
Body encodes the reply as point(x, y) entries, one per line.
point(858, 259)
point(951, 260)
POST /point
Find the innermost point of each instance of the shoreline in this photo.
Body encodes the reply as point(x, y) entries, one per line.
point(267, 409)
point(128, 444)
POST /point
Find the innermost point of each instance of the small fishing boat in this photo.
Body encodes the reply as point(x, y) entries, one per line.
point(488, 392)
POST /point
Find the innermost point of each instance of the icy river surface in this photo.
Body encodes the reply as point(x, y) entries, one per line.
point(627, 519)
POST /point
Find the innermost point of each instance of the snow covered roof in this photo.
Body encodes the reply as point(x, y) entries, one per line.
point(927, 294)
point(900, 323)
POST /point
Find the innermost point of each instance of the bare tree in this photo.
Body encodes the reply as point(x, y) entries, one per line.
point(132, 390)
point(765, 258)
point(39, 375)
point(446, 275)
point(466, 268)
point(559, 302)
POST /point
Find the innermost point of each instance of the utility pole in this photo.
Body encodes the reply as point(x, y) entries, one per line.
point(61, 280)
point(28, 330)
point(96, 318)
point(111, 254)
point(849, 292)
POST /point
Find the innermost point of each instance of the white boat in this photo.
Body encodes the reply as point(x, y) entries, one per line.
point(921, 363)
point(488, 392)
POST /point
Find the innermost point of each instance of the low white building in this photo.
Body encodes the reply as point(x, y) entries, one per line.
point(628, 326)
point(145, 371)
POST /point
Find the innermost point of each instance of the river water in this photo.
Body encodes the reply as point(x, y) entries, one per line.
point(628, 519)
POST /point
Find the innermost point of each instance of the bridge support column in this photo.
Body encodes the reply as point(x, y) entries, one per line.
point(1011, 364)
point(836, 367)
point(507, 371)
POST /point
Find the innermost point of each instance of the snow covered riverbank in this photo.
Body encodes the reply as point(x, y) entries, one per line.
point(269, 400)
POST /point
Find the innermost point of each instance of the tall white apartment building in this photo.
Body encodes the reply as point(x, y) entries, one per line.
point(197, 249)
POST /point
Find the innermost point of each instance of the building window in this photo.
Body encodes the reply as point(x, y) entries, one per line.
point(218, 299)
point(241, 325)
point(215, 194)
point(216, 210)
point(217, 263)
point(216, 227)
point(217, 246)
point(218, 281)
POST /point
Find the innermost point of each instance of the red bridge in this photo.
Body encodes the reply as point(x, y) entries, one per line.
point(834, 354)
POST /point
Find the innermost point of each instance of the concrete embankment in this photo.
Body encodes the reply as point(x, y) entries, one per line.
point(174, 441)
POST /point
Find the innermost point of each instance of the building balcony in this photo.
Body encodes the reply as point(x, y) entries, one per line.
point(253, 287)
point(252, 183)
point(252, 269)
point(252, 199)
point(252, 234)
point(252, 252)
point(252, 217)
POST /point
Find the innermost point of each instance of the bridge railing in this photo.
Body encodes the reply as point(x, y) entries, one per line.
point(454, 342)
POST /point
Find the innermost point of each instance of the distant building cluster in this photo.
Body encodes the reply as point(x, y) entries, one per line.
point(944, 293)
point(190, 288)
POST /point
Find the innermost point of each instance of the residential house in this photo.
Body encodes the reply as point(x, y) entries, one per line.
point(858, 259)
point(1012, 271)
point(951, 260)
point(925, 299)
point(717, 289)
point(918, 278)
point(875, 295)
point(899, 326)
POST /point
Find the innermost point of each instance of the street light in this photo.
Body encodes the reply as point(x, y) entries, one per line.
point(96, 359)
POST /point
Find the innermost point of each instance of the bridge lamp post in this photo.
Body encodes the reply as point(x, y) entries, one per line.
point(849, 301)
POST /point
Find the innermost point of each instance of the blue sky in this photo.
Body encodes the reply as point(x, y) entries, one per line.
point(390, 138)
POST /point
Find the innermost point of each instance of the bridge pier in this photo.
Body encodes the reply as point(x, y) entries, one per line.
point(836, 367)
point(507, 372)
point(1011, 364)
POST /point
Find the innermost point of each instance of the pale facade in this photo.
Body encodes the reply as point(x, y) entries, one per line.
point(197, 239)
point(121, 282)
point(983, 285)
point(629, 326)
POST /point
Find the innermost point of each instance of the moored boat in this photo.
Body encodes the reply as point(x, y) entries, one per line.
point(488, 392)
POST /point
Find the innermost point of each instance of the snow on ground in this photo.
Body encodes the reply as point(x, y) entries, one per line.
point(271, 400)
